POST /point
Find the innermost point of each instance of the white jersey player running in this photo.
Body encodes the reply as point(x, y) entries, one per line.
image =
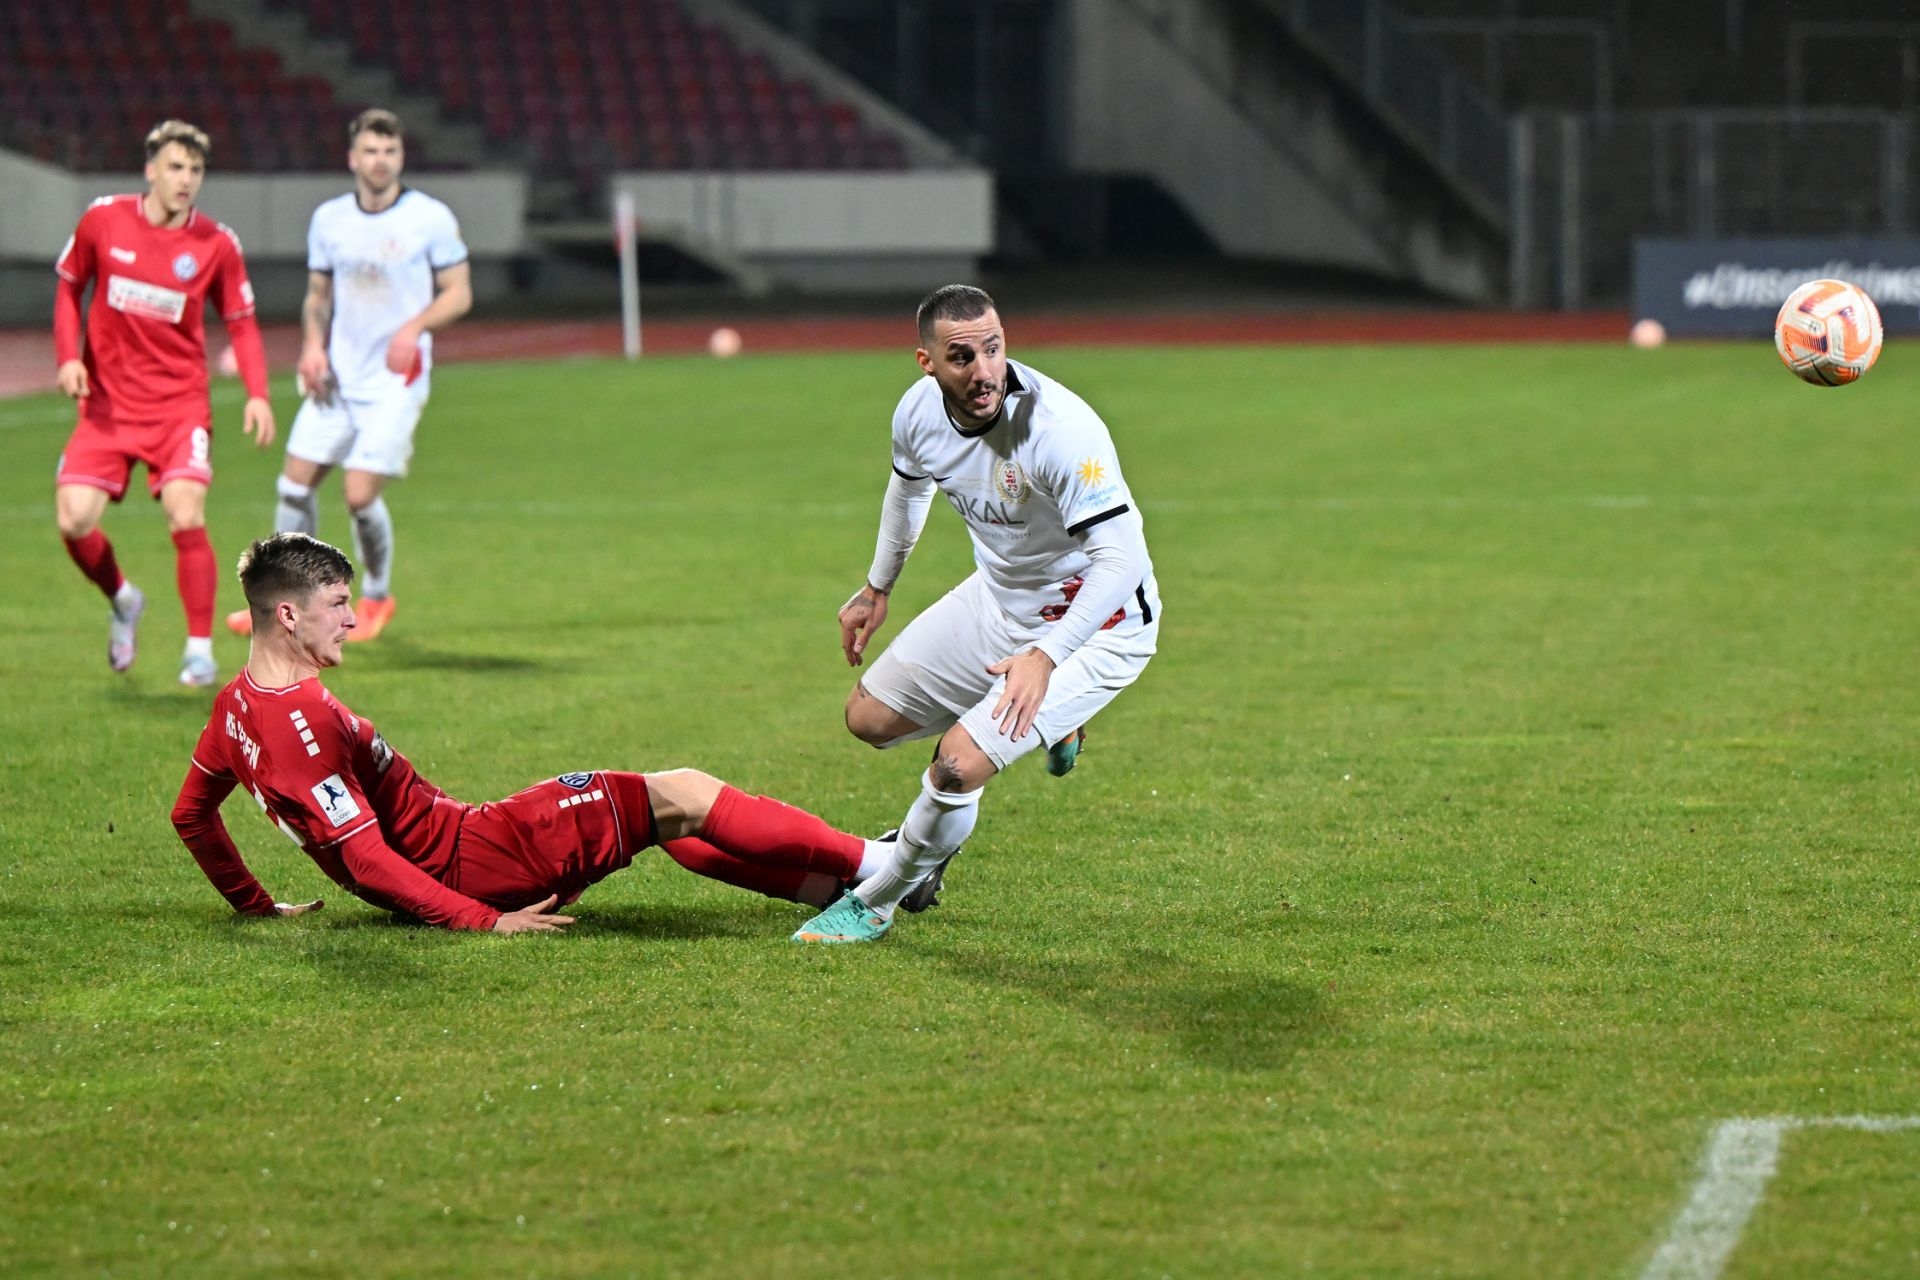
point(386, 267)
point(1060, 615)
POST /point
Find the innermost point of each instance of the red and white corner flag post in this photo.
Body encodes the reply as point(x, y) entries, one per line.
point(626, 234)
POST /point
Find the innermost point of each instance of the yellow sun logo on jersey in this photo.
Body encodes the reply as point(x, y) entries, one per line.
point(1092, 472)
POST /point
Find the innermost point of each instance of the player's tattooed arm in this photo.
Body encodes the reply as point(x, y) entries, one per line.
point(860, 618)
point(316, 319)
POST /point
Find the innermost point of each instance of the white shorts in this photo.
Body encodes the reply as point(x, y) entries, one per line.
point(935, 672)
point(363, 435)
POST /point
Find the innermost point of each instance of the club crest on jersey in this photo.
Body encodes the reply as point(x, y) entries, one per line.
point(382, 754)
point(335, 802)
point(1010, 482)
point(578, 781)
point(186, 267)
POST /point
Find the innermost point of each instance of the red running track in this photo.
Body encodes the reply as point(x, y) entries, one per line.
point(26, 355)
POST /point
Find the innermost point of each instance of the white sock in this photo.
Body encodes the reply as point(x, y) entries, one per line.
point(938, 823)
point(873, 859)
point(126, 598)
point(373, 544)
point(295, 513)
point(200, 647)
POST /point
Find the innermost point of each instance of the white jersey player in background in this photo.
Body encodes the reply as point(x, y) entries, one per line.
point(386, 267)
point(1059, 616)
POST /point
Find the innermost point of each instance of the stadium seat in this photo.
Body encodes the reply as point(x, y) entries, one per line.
point(576, 83)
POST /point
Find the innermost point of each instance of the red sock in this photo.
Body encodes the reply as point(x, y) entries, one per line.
point(94, 555)
point(197, 574)
point(701, 858)
point(761, 829)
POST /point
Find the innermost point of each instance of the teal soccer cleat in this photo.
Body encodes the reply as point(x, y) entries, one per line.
point(1062, 754)
point(848, 920)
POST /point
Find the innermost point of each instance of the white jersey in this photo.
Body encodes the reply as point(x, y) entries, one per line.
point(382, 266)
point(1042, 472)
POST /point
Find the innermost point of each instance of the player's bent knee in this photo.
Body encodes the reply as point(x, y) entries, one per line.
point(681, 800)
point(873, 721)
point(959, 765)
point(946, 774)
point(77, 511)
point(361, 490)
point(74, 527)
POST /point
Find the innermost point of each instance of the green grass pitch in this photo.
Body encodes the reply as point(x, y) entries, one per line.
point(1526, 783)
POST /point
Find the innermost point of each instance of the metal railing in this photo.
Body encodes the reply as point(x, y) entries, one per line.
point(1857, 36)
point(1497, 36)
point(1584, 186)
point(1418, 92)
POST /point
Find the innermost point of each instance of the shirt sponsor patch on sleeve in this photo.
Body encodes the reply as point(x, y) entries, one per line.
point(335, 801)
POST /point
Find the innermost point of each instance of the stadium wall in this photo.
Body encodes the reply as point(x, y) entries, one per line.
point(39, 205)
point(825, 232)
point(812, 232)
point(1258, 148)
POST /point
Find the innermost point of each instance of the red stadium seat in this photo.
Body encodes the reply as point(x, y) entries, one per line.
point(587, 85)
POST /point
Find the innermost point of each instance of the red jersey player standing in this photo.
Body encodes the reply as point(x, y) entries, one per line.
point(387, 835)
point(154, 261)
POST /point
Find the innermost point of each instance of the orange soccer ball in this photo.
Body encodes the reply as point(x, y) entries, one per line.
point(1828, 332)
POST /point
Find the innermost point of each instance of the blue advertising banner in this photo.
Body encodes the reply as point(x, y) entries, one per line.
point(1735, 287)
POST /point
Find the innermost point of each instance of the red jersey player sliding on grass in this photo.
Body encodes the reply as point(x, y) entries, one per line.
point(154, 262)
point(387, 835)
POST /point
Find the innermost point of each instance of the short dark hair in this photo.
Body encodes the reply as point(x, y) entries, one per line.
point(375, 120)
point(951, 302)
point(170, 131)
point(289, 566)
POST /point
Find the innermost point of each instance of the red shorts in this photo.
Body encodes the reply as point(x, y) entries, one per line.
point(101, 455)
point(556, 837)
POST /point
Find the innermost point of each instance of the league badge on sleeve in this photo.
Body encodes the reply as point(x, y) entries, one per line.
point(578, 781)
point(334, 800)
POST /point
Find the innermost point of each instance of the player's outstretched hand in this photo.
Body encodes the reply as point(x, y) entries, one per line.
point(298, 908)
point(1028, 674)
point(73, 380)
point(259, 422)
point(860, 617)
point(538, 918)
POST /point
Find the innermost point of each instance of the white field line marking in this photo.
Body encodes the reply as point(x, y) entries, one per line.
point(1740, 1160)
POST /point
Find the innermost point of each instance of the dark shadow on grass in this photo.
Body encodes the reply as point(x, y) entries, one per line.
point(1232, 1021)
point(399, 652)
point(642, 921)
point(165, 702)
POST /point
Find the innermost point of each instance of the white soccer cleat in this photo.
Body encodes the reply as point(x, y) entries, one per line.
point(123, 631)
point(197, 672)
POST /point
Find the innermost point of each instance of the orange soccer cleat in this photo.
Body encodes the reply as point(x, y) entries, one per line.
point(370, 618)
point(240, 622)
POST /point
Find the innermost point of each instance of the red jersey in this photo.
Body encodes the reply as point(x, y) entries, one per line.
point(334, 786)
point(146, 350)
